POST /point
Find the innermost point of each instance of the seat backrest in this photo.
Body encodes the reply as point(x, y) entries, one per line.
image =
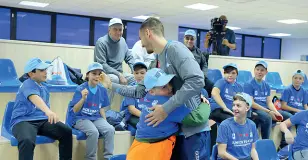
point(118, 157)
point(266, 149)
point(69, 118)
point(215, 152)
point(6, 123)
point(243, 76)
point(273, 78)
point(305, 81)
point(214, 75)
point(8, 72)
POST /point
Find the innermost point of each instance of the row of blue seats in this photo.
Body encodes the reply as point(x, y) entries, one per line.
point(272, 78)
point(9, 81)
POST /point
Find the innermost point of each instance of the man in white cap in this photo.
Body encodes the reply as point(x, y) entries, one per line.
point(111, 50)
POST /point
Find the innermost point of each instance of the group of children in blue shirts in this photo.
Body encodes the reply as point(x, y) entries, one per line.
point(230, 108)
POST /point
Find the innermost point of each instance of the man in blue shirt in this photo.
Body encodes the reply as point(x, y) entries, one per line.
point(262, 104)
point(294, 98)
point(300, 145)
point(223, 45)
point(32, 116)
point(237, 135)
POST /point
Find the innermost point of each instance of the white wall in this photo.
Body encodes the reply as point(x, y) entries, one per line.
point(171, 31)
point(292, 49)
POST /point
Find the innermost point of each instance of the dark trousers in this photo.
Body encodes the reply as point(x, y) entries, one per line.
point(25, 133)
point(209, 85)
point(218, 115)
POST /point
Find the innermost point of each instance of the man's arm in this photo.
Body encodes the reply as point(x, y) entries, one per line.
point(100, 54)
point(193, 79)
point(129, 91)
point(222, 152)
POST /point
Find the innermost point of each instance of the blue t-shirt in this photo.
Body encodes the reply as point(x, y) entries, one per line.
point(92, 105)
point(259, 91)
point(301, 140)
point(239, 138)
point(24, 109)
point(294, 98)
point(227, 91)
point(127, 102)
point(223, 49)
point(167, 127)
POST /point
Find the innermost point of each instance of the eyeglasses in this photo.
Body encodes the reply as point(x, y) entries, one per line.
point(190, 38)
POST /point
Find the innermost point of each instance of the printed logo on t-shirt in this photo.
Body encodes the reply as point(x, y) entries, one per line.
point(196, 155)
point(256, 93)
point(243, 141)
point(251, 135)
point(306, 130)
point(265, 93)
point(292, 98)
point(227, 91)
point(233, 135)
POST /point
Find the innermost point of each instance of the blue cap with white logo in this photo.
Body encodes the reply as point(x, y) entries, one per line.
point(35, 63)
point(230, 65)
point(299, 72)
point(190, 32)
point(246, 97)
point(95, 66)
point(263, 63)
point(156, 78)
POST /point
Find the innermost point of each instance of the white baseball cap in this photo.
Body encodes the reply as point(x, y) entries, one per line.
point(115, 21)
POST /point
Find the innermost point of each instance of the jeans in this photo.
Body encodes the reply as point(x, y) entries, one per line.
point(265, 120)
point(93, 129)
point(25, 132)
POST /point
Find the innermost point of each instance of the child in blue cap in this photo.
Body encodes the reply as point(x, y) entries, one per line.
point(156, 142)
point(237, 135)
point(32, 116)
point(88, 114)
point(293, 98)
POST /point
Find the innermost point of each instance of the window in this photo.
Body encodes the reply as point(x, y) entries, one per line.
point(100, 30)
point(33, 26)
point(182, 31)
point(253, 46)
point(238, 51)
point(271, 48)
point(72, 30)
point(132, 33)
point(202, 39)
point(5, 23)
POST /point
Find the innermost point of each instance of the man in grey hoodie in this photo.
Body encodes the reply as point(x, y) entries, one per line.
point(110, 51)
point(173, 58)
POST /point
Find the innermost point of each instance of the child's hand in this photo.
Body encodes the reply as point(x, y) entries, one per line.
point(84, 93)
point(52, 117)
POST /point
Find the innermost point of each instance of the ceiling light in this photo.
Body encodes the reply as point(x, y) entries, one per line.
point(144, 17)
point(233, 28)
point(292, 21)
point(201, 6)
point(280, 34)
point(33, 4)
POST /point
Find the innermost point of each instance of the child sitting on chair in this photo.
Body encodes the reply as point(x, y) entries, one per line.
point(88, 113)
point(237, 135)
point(32, 116)
point(156, 142)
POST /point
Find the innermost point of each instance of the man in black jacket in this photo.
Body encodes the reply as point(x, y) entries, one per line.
point(201, 57)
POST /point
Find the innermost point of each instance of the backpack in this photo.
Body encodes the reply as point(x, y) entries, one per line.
point(75, 75)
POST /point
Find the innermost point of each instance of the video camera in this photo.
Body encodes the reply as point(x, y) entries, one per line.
point(217, 32)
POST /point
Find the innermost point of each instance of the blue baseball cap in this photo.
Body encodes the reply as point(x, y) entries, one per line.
point(246, 97)
point(35, 63)
point(230, 65)
point(95, 66)
point(299, 72)
point(139, 63)
point(190, 32)
point(156, 78)
point(263, 63)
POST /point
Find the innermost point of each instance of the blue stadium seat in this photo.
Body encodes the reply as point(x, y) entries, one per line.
point(266, 149)
point(274, 81)
point(8, 80)
point(118, 157)
point(243, 77)
point(6, 132)
point(214, 75)
point(305, 84)
point(79, 135)
point(214, 152)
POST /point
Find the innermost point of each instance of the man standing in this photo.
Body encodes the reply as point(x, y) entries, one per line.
point(174, 58)
point(201, 57)
point(110, 51)
point(224, 44)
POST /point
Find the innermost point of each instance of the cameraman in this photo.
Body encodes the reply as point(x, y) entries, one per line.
point(223, 45)
point(201, 57)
